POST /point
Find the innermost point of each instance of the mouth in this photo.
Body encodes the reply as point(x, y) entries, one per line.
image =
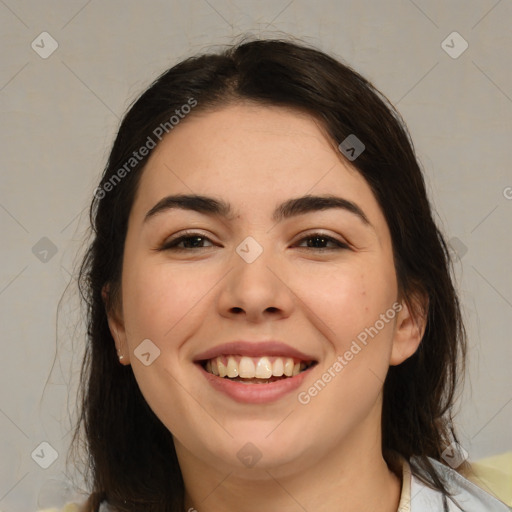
point(255, 370)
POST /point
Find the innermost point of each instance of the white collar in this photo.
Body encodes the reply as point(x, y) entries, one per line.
point(466, 496)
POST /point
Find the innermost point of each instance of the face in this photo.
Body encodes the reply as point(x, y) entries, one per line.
point(261, 291)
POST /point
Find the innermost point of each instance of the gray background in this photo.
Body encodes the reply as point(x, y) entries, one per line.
point(59, 117)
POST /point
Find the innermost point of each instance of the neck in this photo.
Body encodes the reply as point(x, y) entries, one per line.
point(352, 476)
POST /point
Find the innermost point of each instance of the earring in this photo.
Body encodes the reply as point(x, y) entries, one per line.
point(119, 355)
point(121, 358)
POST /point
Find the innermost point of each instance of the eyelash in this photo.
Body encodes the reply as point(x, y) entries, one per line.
point(172, 245)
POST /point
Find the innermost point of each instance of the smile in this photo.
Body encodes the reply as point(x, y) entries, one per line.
point(255, 370)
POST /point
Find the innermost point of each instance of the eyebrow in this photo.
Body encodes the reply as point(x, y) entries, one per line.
point(290, 208)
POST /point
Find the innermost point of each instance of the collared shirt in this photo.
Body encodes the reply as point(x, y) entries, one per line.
point(416, 496)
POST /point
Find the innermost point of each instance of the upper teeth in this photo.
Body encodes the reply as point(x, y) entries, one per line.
point(254, 367)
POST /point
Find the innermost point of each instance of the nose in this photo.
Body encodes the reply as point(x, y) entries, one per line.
point(257, 291)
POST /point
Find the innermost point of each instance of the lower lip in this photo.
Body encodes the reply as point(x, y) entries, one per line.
point(255, 393)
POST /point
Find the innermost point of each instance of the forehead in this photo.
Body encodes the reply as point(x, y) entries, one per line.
point(253, 156)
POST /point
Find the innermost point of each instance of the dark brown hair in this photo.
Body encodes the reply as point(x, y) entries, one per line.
point(131, 458)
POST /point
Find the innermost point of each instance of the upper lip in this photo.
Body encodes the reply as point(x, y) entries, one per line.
point(253, 349)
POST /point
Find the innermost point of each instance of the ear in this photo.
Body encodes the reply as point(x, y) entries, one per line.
point(116, 325)
point(409, 328)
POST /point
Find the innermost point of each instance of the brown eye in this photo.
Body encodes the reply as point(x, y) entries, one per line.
point(318, 241)
point(189, 241)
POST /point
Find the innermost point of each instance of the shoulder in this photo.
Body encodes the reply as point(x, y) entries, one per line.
point(466, 496)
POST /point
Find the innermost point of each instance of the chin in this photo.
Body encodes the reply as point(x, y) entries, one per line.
point(252, 451)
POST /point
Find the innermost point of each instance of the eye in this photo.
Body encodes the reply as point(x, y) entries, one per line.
point(195, 240)
point(318, 241)
point(188, 241)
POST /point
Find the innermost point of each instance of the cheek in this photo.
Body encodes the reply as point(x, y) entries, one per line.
point(345, 300)
point(356, 305)
point(159, 298)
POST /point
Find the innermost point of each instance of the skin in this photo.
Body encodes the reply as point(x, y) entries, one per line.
point(317, 300)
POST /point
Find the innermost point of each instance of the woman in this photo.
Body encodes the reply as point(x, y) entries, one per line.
point(272, 321)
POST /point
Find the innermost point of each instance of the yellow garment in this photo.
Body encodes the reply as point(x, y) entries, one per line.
point(494, 475)
point(70, 507)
